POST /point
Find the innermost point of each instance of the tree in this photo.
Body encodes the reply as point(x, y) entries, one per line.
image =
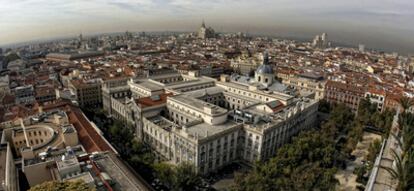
point(405, 103)
point(186, 177)
point(403, 171)
point(181, 177)
point(166, 174)
point(308, 163)
point(373, 150)
point(11, 57)
point(62, 186)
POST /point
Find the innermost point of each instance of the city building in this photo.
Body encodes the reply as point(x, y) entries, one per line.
point(88, 92)
point(114, 88)
point(45, 94)
point(33, 135)
point(8, 172)
point(321, 41)
point(305, 83)
point(376, 96)
point(99, 170)
point(246, 63)
point(24, 94)
point(348, 94)
point(68, 56)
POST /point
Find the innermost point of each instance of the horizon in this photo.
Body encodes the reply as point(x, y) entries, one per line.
point(381, 25)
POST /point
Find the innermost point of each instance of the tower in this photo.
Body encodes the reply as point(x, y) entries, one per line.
point(264, 73)
point(203, 25)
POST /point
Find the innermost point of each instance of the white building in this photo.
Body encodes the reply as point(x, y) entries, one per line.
point(211, 123)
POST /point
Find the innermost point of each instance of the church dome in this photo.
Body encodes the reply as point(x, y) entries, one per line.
point(264, 69)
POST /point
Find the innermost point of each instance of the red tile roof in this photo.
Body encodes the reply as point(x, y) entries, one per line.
point(148, 101)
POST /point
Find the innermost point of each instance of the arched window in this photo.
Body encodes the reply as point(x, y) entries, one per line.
point(260, 78)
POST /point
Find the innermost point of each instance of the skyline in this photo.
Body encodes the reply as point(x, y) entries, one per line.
point(381, 24)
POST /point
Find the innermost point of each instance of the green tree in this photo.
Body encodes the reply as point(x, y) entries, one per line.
point(166, 173)
point(373, 150)
point(308, 163)
point(186, 177)
point(181, 177)
point(403, 171)
point(405, 103)
point(62, 186)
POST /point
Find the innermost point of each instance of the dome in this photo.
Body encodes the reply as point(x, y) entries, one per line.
point(264, 69)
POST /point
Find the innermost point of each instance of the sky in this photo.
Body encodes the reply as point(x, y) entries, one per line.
point(380, 24)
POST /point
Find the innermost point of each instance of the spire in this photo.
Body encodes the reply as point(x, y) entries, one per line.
point(265, 58)
point(203, 24)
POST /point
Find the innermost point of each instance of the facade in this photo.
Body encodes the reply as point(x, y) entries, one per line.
point(215, 124)
point(8, 172)
point(45, 94)
point(306, 83)
point(114, 88)
point(88, 93)
point(4, 84)
point(348, 94)
point(121, 110)
point(377, 97)
point(24, 94)
point(245, 64)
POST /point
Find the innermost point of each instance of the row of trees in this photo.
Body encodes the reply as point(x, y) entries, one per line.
point(369, 115)
point(181, 177)
point(62, 186)
point(309, 162)
point(403, 170)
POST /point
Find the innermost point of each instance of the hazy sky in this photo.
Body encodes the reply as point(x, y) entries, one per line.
point(387, 24)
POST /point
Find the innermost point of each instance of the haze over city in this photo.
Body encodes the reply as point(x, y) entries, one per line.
point(379, 24)
point(206, 95)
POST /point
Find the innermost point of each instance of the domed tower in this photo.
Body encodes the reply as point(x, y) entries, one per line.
point(264, 73)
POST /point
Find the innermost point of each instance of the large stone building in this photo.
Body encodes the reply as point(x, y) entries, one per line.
point(211, 123)
point(205, 32)
point(305, 83)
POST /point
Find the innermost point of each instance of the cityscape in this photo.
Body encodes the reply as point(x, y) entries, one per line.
point(195, 97)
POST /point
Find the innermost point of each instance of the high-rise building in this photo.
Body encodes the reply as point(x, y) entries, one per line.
point(321, 41)
point(1, 59)
point(361, 47)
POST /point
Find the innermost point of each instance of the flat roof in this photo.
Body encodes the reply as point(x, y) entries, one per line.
point(148, 85)
point(124, 176)
point(197, 104)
